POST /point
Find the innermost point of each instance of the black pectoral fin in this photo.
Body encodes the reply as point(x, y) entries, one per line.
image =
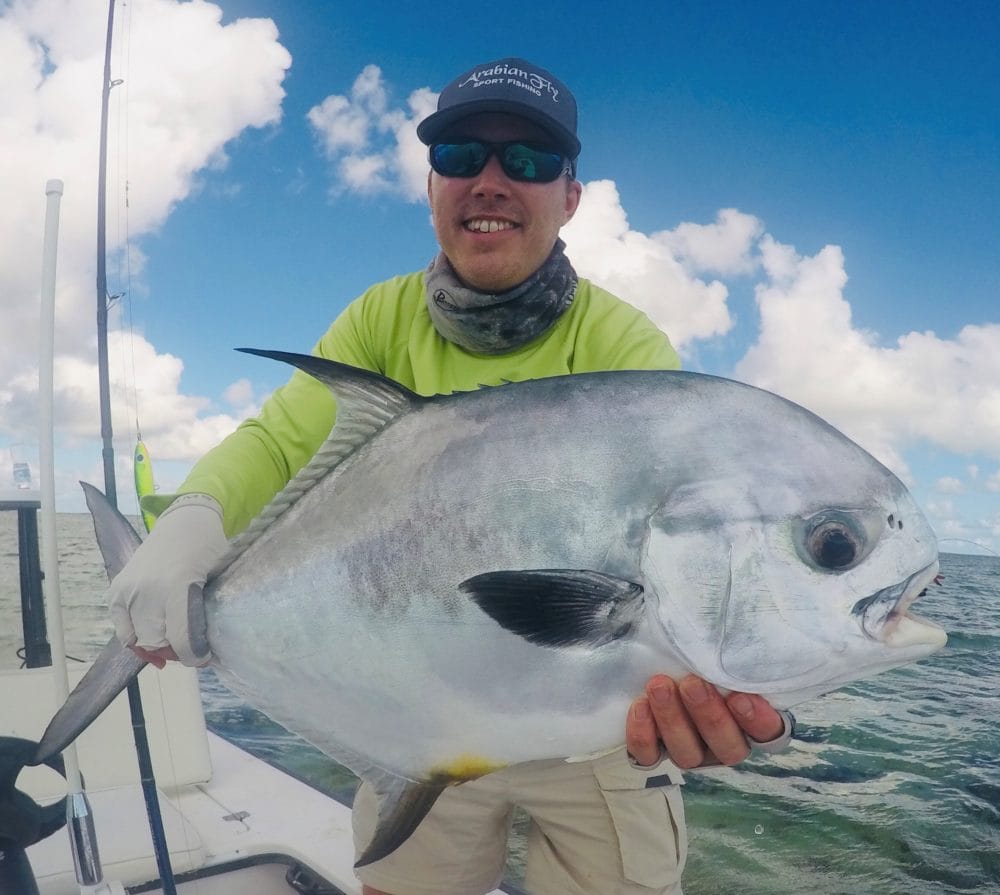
point(559, 607)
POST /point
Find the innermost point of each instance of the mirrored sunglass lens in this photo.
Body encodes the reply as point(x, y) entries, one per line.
point(529, 163)
point(459, 159)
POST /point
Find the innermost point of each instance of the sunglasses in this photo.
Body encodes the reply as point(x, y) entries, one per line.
point(527, 162)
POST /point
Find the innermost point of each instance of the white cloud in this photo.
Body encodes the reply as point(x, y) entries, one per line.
point(341, 125)
point(949, 485)
point(365, 173)
point(183, 427)
point(239, 394)
point(944, 510)
point(182, 110)
point(945, 392)
point(374, 148)
point(658, 272)
point(725, 247)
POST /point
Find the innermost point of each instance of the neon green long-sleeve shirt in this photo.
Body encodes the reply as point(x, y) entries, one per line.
point(388, 330)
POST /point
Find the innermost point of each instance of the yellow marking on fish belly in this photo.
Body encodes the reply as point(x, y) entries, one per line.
point(462, 768)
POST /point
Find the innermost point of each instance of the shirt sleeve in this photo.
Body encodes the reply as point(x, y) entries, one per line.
point(245, 470)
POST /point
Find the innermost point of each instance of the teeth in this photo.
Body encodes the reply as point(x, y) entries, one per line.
point(484, 226)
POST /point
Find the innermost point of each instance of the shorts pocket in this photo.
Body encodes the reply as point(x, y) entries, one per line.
point(647, 813)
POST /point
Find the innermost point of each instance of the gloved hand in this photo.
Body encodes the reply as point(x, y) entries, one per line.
point(156, 600)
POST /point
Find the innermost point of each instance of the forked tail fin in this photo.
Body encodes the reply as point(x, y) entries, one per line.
point(116, 665)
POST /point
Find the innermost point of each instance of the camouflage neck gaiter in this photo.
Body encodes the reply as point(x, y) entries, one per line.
point(484, 323)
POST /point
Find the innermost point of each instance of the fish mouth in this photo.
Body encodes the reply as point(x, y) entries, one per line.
point(885, 615)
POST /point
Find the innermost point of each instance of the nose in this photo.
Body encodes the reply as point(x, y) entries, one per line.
point(491, 182)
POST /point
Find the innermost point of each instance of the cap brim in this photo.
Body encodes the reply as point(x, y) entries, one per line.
point(433, 126)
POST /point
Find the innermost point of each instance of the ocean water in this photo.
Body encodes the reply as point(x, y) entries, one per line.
point(891, 788)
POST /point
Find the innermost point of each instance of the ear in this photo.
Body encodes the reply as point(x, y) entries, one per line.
point(430, 198)
point(574, 190)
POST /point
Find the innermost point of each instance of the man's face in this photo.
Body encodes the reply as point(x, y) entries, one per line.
point(528, 215)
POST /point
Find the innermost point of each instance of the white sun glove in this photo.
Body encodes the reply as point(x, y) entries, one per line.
point(156, 599)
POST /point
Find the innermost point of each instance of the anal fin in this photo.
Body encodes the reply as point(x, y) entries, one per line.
point(402, 804)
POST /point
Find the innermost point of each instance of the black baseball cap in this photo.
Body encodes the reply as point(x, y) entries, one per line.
point(510, 85)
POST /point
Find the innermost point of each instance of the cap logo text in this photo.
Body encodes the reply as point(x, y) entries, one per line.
point(518, 77)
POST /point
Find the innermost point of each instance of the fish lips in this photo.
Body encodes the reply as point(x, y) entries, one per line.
point(884, 615)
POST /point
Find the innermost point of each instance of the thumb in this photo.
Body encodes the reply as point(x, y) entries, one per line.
point(187, 627)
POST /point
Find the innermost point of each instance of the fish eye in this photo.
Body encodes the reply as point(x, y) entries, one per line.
point(834, 545)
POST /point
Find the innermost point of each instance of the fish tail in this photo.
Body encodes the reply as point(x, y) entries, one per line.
point(116, 666)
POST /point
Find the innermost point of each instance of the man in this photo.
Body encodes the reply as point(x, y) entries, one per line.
point(499, 302)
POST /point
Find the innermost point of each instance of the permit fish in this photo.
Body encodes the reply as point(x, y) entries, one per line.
point(459, 583)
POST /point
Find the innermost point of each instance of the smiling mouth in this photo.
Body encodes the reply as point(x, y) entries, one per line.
point(488, 225)
point(885, 615)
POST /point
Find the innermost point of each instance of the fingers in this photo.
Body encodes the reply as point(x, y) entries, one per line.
point(706, 732)
point(755, 716)
point(132, 624)
point(156, 657)
point(678, 727)
point(159, 642)
point(642, 738)
point(713, 721)
point(695, 724)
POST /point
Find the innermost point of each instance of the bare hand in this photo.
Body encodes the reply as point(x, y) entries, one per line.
point(156, 657)
point(696, 725)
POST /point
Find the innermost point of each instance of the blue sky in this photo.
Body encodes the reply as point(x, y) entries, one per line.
point(855, 145)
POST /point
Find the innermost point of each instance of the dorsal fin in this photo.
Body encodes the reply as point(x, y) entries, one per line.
point(366, 403)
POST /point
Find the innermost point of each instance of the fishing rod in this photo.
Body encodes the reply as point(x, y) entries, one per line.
point(147, 779)
point(973, 543)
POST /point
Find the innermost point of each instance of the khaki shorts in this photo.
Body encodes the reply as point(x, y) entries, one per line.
point(599, 827)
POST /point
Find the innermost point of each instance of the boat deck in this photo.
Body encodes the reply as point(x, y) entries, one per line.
point(245, 830)
point(233, 823)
